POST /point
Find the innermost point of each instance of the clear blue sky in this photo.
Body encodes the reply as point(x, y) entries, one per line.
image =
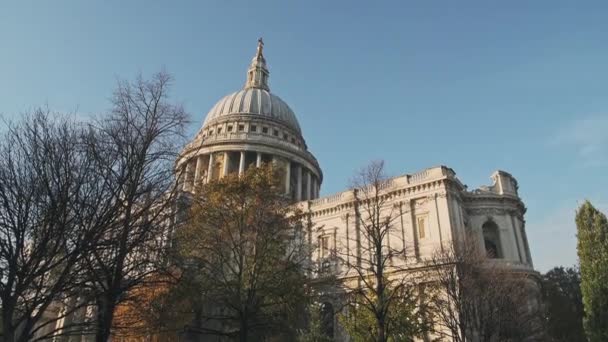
point(478, 86)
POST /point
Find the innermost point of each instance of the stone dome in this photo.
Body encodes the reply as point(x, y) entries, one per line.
point(255, 102)
point(249, 128)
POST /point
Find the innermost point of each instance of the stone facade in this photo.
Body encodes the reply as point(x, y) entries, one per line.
point(432, 209)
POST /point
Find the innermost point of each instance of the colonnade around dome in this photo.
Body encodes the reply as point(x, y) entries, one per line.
point(298, 182)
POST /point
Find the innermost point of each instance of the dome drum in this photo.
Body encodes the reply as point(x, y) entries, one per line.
point(241, 128)
point(305, 160)
point(299, 180)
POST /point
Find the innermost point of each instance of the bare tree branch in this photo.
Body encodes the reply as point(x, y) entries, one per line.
point(476, 297)
point(133, 150)
point(380, 288)
point(45, 194)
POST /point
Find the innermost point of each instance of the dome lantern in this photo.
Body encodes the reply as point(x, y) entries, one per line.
point(257, 75)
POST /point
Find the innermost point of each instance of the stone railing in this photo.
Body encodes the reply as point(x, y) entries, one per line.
point(509, 264)
point(417, 177)
point(328, 200)
point(387, 184)
point(250, 136)
point(435, 172)
point(401, 181)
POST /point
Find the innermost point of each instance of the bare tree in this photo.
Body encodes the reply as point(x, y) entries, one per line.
point(44, 196)
point(133, 151)
point(477, 298)
point(380, 306)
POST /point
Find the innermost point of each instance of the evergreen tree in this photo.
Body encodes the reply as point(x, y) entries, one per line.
point(592, 234)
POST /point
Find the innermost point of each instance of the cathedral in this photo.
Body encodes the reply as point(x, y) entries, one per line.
point(433, 208)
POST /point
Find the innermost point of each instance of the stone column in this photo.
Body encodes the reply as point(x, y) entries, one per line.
point(314, 187)
point(242, 163)
point(299, 183)
point(258, 160)
point(308, 185)
point(210, 168)
point(197, 170)
point(287, 176)
point(187, 176)
point(225, 165)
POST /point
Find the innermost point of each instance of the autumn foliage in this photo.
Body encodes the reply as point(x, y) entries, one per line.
point(140, 316)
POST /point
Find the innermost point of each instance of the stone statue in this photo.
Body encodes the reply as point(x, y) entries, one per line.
point(260, 46)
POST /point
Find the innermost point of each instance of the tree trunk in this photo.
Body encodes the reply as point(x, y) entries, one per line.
point(243, 330)
point(8, 331)
point(109, 300)
point(381, 337)
point(380, 319)
point(104, 319)
point(8, 336)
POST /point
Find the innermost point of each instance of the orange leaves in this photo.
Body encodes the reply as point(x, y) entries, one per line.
point(138, 316)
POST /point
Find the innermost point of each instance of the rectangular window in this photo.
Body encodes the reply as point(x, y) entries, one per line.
point(229, 128)
point(285, 136)
point(219, 130)
point(253, 128)
point(264, 129)
point(324, 244)
point(241, 128)
point(276, 132)
point(421, 223)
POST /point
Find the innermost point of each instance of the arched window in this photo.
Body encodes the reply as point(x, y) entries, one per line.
point(491, 239)
point(327, 319)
